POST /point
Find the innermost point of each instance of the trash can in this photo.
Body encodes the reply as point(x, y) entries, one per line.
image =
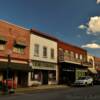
point(0, 85)
point(4, 89)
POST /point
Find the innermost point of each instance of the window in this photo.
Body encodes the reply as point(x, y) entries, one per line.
point(36, 50)
point(34, 76)
point(76, 55)
point(19, 50)
point(2, 46)
point(52, 53)
point(61, 54)
point(66, 53)
point(45, 52)
point(81, 57)
point(72, 54)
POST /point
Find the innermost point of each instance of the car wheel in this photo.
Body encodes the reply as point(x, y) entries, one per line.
point(92, 84)
point(86, 84)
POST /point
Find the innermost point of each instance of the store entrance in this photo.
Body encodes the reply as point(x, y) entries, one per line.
point(44, 77)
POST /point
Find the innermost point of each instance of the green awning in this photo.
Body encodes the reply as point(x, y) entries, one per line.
point(15, 66)
point(3, 39)
point(20, 43)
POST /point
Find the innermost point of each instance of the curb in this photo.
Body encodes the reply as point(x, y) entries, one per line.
point(38, 89)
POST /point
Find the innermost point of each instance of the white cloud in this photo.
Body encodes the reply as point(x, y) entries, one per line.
point(98, 1)
point(94, 25)
point(92, 46)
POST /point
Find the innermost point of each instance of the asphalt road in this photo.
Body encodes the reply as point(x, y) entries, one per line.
point(81, 93)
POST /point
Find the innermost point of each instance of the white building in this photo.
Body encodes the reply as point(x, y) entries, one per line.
point(43, 59)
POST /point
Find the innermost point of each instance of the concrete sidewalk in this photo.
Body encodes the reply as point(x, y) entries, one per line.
point(39, 88)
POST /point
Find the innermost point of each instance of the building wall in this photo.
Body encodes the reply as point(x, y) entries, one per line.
point(14, 33)
point(90, 59)
point(97, 63)
point(49, 44)
point(74, 49)
point(43, 42)
point(1, 76)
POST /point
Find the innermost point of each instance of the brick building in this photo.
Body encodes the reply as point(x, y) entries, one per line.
point(14, 53)
point(97, 64)
point(72, 62)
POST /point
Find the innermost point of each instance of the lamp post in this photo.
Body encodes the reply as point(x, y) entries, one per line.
point(8, 66)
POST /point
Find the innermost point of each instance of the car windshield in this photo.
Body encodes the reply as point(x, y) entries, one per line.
point(82, 78)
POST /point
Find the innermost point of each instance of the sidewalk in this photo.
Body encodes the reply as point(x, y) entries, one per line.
point(43, 87)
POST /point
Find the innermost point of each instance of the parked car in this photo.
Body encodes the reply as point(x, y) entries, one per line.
point(84, 81)
point(97, 80)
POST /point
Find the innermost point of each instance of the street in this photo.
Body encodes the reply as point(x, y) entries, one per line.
point(74, 93)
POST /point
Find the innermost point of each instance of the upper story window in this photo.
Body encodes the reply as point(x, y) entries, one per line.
point(61, 54)
point(19, 50)
point(2, 42)
point(72, 54)
point(19, 47)
point(52, 53)
point(81, 57)
point(66, 53)
point(45, 52)
point(36, 50)
point(76, 55)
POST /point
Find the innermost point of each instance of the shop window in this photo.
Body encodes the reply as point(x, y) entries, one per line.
point(36, 50)
point(52, 53)
point(52, 75)
point(45, 52)
point(35, 76)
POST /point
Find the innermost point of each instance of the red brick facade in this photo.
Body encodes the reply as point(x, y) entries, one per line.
point(74, 49)
point(97, 63)
point(12, 34)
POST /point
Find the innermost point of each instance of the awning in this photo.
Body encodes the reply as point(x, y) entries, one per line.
point(92, 70)
point(3, 39)
point(20, 43)
point(15, 66)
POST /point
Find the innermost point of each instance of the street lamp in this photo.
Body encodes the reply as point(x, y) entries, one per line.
point(8, 66)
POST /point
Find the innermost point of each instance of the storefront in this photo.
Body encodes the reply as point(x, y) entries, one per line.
point(43, 73)
point(16, 72)
point(70, 72)
point(43, 59)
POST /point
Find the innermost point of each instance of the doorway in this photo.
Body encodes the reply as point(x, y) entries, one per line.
point(44, 77)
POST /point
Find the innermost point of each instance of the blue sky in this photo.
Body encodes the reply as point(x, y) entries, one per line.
point(70, 20)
